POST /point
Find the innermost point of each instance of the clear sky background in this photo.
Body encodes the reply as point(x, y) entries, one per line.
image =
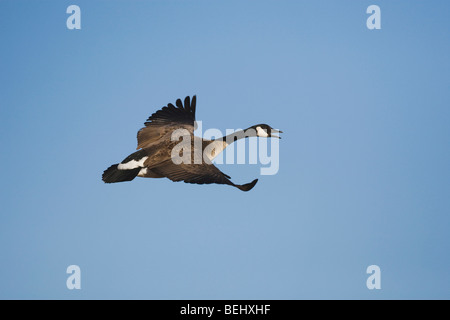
point(364, 160)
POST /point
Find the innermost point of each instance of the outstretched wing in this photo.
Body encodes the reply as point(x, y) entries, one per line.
point(198, 173)
point(167, 120)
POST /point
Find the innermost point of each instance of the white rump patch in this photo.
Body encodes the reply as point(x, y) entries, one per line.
point(261, 132)
point(143, 172)
point(133, 164)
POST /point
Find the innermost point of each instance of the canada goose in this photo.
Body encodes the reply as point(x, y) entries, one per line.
point(154, 158)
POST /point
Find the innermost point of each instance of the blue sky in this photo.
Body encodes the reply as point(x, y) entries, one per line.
point(364, 161)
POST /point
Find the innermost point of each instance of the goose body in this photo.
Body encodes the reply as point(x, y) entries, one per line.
point(157, 147)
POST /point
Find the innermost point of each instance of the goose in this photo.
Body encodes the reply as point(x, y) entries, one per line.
point(155, 155)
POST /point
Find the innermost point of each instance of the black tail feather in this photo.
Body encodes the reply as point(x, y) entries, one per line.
point(112, 174)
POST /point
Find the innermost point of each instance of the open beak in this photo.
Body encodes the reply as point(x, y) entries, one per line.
point(275, 131)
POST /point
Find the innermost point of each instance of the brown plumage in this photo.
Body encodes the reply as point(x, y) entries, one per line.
point(155, 145)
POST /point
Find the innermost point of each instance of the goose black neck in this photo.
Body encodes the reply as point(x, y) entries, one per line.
point(240, 134)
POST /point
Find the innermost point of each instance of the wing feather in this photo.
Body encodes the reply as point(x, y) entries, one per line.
point(193, 173)
point(198, 173)
point(164, 121)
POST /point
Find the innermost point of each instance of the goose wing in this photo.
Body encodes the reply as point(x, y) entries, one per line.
point(162, 123)
point(198, 173)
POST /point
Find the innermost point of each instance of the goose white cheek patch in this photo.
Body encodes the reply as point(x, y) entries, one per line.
point(261, 132)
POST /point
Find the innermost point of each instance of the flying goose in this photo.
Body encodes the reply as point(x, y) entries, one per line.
point(155, 155)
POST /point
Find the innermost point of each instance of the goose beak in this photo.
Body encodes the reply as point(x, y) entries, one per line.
point(275, 131)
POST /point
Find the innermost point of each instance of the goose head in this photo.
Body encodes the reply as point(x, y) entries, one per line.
point(265, 131)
